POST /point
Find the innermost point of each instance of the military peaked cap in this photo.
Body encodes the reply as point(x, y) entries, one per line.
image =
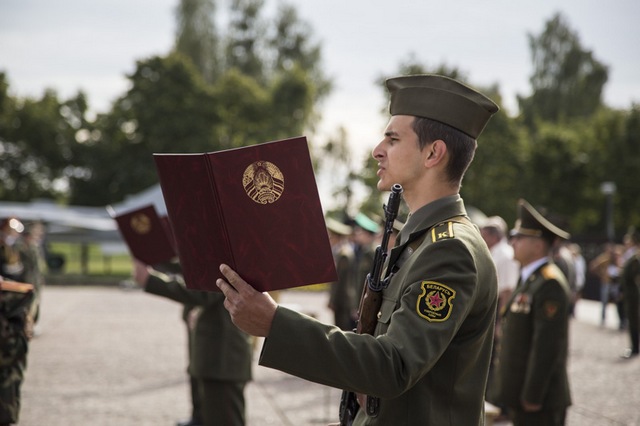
point(533, 224)
point(442, 99)
point(338, 227)
point(366, 223)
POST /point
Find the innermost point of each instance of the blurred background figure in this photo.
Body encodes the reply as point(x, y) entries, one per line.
point(606, 266)
point(563, 257)
point(11, 262)
point(581, 269)
point(220, 354)
point(342, 292)
point(15, 331)
point(494, 232)
point(365, 232)
point(34, 264)
point(630, 282)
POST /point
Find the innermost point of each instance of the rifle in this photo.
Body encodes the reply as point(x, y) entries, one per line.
point(370, 304)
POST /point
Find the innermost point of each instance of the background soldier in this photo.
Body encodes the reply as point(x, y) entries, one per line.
point(532, 377)
point(15, 332)
point(631, 288)
point(220, 359)
point(342, 292)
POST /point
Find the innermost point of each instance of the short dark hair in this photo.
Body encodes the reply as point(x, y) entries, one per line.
point(461, 147)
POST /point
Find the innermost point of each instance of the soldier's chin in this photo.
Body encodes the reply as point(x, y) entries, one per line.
point(383, 186)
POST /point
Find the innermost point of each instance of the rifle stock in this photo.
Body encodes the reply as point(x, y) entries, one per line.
point(371, 300)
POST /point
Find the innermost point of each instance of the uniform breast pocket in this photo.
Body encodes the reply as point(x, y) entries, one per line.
point(387, 309)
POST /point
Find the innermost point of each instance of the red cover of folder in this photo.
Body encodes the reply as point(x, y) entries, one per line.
point(254, 208)
point(147, 235)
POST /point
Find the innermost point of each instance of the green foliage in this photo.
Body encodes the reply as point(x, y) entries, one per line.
point(567, 81)
point(168, 109)
point(197, 37)
point(243, 105)
point(493, 182)
point(37, 141)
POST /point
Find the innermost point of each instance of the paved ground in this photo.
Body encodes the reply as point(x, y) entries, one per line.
point(115, 356)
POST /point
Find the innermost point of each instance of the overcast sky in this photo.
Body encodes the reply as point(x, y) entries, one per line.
point(69, 45)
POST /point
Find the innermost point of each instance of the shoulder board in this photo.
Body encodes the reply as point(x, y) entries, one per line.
point(549, 272)
point(442, 231)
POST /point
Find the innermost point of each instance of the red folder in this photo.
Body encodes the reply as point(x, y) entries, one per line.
point(147, 235)
point(254, 208)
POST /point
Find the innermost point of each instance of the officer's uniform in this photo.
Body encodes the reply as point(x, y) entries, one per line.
point(221, 353)
point(532, 362)
point(429, 357)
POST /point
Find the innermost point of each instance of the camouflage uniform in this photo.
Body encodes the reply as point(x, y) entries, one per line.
point(14, 336)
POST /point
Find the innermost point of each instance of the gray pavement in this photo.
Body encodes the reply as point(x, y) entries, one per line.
point(117, 356)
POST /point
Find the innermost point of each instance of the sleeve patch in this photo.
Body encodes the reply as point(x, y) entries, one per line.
point(435, 303)
point(442, 231)
point(550, 309)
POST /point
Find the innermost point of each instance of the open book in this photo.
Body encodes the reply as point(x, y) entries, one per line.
point(147, 235)
point(254, 208)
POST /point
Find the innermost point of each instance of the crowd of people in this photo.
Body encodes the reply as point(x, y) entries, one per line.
point(470, 312)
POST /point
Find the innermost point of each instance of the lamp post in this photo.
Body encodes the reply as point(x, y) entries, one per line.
point(608, 189)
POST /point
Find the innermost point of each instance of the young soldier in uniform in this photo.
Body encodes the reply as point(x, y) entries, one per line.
point(429, 358)
point(532, 363)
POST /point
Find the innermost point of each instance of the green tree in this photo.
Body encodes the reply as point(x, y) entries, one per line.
point(197, 37)
point(493, 183)
point(169, 108)
point(246, 38)
point(37, 141)
point(261, 89)
point(243, 108)
point(567, 79)
point(613, 156)
point(336, 169)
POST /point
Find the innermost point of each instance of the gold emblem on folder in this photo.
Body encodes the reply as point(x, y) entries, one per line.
point(140, 223)
point(263, 182)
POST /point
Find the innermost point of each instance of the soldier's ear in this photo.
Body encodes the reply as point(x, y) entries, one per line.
point(435, 153)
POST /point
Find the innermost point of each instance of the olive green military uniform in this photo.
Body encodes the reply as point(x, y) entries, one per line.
point(429, 358)
point(533, 355)
point(631, 287)
point(532, 359)
point(341, 296)
point(14, 337)
point(220, 356)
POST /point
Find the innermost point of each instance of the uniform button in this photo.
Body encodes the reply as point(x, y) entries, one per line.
point(379, 315)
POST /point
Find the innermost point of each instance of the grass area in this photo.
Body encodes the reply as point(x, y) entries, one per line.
point(97, 263)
